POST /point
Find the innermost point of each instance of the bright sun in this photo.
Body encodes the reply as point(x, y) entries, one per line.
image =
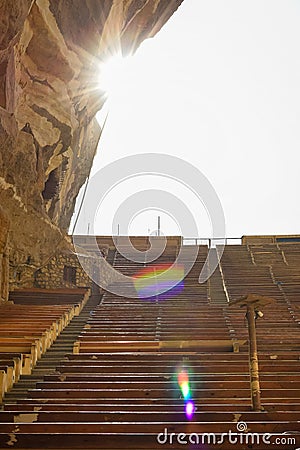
point(116, 74)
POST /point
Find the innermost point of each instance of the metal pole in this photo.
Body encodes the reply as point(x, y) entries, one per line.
point(253, 359)
point(158, 225)
point(118, 229)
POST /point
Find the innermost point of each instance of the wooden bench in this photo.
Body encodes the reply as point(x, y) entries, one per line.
point(29, 328)
point(119, 388)
point(223, 345)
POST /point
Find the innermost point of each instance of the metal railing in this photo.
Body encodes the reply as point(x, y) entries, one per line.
point(212, 242)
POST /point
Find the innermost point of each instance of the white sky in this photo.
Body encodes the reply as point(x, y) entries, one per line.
point(218, 86)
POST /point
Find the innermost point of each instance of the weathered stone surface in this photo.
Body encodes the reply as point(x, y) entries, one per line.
point(50, 57)
point(4, 266)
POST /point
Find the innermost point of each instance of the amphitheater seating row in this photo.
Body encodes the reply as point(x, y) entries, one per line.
point(241, 277)
point(185, 320)
point(30, 323)
point(283, 261)
point(124, 400)
point(119, 388)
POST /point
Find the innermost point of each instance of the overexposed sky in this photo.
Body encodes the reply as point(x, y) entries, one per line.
point(218, 86)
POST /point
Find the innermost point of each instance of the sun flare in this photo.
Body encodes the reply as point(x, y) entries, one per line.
point(116, 74)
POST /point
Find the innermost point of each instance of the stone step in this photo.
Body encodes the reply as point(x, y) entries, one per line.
point(60, 348)
point(24, 387)
point(21, 393)
point(44, 371)
point(58, 356)
point(29, 377)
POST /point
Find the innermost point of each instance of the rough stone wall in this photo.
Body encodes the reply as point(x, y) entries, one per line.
point(56, 273)
point(52, 276)
point(51, 53)
point(4, 262)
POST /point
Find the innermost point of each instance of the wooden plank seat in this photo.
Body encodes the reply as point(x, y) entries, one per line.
point(139, 427)
point(281, 371)
point(130, 441)
point(139, 376)
point(17, 359)
point(34, 296)
point(244, 402)
point(59, 320)
point(27, 347)
point(66, 295)
point(217, 368)
point(30, 348)
point(243, 271)
point(127, 441)
point(51, 328)
point(159, 384)
point(286, 356)
point(59, 405)
point(155, 335)
point(169, 417)
point(146, 367)
point(29, 329)
point(85, 345)
point(61, 314)
point(121, 389)
point(152, 390)
point(45, 337)
point(9, 367)
point(267, 254)
point(291, 253)
point(130, 324)
point(274, 379)
point(157, 415)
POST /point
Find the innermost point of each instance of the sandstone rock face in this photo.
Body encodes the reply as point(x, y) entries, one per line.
point(51, 53)
point(4, 263)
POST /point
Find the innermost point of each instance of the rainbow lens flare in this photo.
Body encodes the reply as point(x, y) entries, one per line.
point(183, 382)
point(189, 409)
point(185, 389)
point(160, 281)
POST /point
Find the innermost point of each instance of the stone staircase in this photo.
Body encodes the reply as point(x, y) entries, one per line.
point(111, 379)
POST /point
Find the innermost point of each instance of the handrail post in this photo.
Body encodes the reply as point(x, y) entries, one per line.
point(253, 359)
point(253, 303)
